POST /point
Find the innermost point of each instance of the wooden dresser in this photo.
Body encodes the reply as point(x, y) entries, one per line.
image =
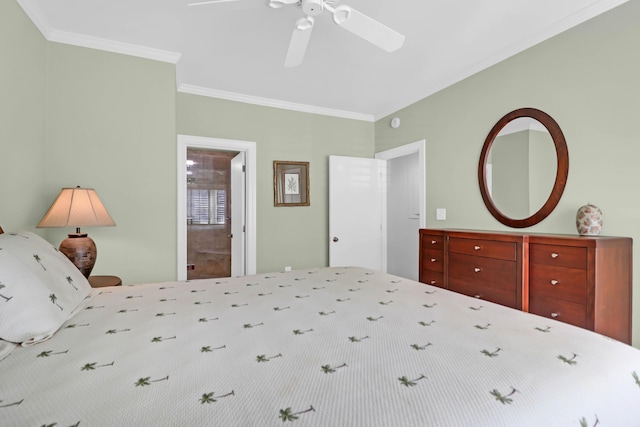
point(431, 257)
point(585, 281)
point(486, 266)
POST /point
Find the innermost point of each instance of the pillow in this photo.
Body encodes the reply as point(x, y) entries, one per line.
point(6, 348)
point(40, 288)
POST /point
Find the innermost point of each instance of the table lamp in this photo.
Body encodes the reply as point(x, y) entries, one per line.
point(78, 207)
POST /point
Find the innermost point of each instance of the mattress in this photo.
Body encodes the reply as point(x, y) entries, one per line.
point(318, 347)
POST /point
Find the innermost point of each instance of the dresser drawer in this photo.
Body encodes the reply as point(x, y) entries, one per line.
point(433, 260)
point(483, 248)
point(498, 272)
point(432, 241)
point(505, 295)
point(433, 278)
point(564, 311)
point(561, 256)
point(569, 284)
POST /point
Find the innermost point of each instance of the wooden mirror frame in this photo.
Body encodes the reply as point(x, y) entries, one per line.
point(562, 170)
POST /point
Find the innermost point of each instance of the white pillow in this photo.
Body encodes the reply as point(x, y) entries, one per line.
point(6, 348)
point(39, 288)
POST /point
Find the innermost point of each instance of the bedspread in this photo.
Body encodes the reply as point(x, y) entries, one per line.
point(318, 347)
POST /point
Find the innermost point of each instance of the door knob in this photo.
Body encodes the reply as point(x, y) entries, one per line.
point(335, 239)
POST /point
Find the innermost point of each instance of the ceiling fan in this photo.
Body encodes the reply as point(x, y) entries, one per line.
point(345, 16)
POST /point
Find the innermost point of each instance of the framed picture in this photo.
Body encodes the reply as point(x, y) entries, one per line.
point(290, 183)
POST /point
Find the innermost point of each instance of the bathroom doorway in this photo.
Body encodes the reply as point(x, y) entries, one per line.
point(212, 208)
point(242, 202)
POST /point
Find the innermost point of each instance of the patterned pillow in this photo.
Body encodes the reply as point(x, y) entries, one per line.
point(39, 288)
point(6, 348)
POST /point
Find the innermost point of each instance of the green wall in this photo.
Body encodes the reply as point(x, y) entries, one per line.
point(74, 116)
point(287, 236)
point(111, 126)
point(588, 80)
point(22, 119)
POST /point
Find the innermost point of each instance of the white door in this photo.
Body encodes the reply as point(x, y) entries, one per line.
point(238, 187)
point(356, 212)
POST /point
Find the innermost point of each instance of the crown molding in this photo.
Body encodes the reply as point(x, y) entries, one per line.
point(42, 23)
point(268, 102)
point(114, 46)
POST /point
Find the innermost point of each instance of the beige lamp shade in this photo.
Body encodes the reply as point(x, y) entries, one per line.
point(76, 207)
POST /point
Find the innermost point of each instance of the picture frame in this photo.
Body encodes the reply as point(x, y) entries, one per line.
point(290, 183)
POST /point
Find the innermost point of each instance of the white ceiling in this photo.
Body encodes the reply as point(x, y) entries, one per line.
point(236, 50)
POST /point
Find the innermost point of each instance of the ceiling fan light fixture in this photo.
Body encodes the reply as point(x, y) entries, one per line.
point(348, 18)
point(312, 7)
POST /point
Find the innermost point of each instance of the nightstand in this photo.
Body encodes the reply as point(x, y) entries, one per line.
point(102, 281)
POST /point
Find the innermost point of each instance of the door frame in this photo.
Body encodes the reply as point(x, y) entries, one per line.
point(249, 148)
point(419, 147)
point(238, 187)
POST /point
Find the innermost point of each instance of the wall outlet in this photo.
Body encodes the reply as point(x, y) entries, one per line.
point(441, 214)
point(287, 268)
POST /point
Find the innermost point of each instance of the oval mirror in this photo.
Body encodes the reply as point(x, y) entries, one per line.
point(523, 167)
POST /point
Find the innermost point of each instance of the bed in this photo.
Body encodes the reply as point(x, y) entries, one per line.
point(318, 347)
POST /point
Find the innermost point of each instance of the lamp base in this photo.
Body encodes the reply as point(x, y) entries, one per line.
point(81, 251)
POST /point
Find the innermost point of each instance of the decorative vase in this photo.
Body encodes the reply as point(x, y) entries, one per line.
point(589, 220)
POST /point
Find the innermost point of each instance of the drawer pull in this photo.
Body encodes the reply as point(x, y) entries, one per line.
point(554, 282)
point(477, 270)
point(555, 255)
point(433, 282)
point(476, 248)
point(433, 260)
point(433, 242)
point(555, 315)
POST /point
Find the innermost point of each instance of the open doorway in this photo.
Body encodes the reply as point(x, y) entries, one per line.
point(212, 211)
point(405, 207)
point(216, 207)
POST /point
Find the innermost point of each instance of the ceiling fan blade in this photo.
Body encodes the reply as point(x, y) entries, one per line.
point(277, 4)
point(299, 41)
point(367, 28)
point(200, 3)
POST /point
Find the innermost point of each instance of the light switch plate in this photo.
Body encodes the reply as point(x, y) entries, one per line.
point(441, 214)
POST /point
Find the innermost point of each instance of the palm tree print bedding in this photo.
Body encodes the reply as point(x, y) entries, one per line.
point(317, 347)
